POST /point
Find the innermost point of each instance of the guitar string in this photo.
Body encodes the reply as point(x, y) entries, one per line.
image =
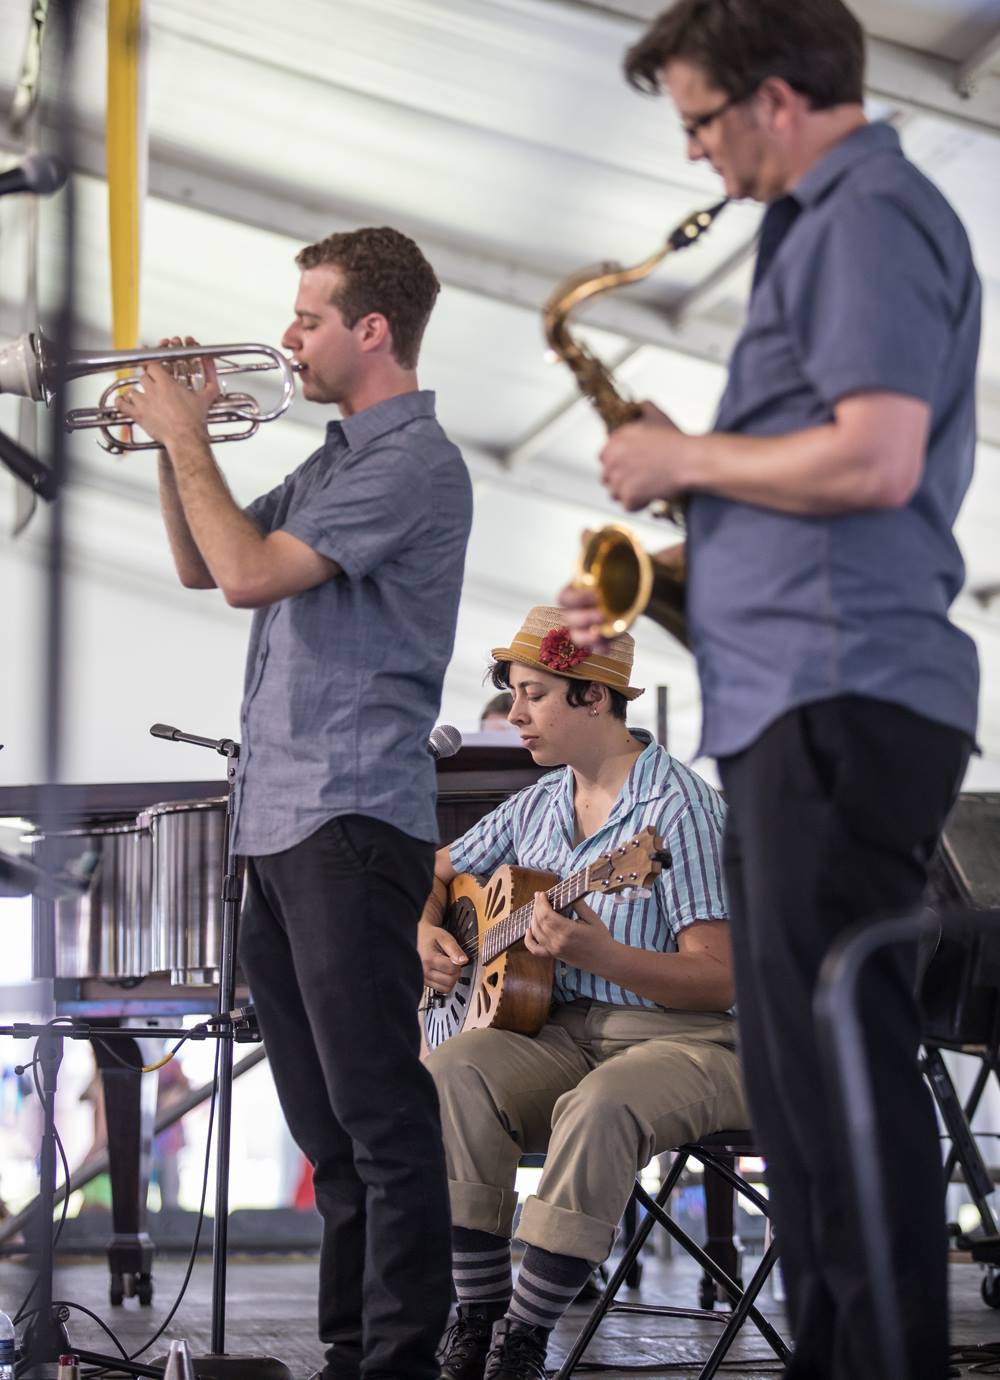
point(515, 925)
point(522, 914)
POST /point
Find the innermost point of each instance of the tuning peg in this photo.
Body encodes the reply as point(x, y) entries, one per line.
point(663, 858)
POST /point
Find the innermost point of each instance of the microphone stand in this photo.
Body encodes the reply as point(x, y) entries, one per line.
point(38, 477)
point(218, 1364)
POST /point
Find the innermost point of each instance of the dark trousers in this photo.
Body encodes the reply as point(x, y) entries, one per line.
point(834, 813)
point(328, 943)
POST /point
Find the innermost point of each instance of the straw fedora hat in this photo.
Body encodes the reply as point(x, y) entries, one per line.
point(545, 642)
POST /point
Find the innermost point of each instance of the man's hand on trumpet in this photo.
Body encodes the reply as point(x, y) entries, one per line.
point(166, 408)
point(646, 460)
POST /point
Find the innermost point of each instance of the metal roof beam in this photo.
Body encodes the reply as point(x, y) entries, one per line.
point(966, 94)
point(977, 64)
point(922, 82)
point(181, 176)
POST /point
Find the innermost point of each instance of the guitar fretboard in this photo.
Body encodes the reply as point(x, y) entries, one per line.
point(514, 926)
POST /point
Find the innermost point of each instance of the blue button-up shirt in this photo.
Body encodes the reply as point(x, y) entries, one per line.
point(536, 828)
point(872, 288)
point(343, 681)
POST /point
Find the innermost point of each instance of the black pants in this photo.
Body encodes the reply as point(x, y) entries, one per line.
point(328, 943)
point(834, 813)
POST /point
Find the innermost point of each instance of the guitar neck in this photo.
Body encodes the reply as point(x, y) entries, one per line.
point(506, 932)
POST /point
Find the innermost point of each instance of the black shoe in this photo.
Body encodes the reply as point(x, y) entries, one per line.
point(465, 1346)
point(517, 1352)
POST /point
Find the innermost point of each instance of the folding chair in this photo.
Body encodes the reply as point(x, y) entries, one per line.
point(716, 1154)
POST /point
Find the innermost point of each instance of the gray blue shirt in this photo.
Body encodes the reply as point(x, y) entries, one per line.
point(536, 827)
point(871, 288)
point(343, 681)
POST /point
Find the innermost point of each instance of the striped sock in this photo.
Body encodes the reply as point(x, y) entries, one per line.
point(546, 1286)
point(480, 1263)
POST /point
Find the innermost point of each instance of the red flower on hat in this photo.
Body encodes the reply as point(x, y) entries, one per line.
point(559, 651)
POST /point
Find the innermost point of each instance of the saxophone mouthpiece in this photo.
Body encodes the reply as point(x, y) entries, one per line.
point(695, 226)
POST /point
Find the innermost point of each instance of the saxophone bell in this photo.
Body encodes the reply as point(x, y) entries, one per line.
point(628, 581)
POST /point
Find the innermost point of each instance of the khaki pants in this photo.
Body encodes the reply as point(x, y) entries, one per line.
point(601, 1090)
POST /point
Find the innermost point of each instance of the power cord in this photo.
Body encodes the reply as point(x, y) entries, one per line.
point(40, 1092)
point(201, 1214)
point(197, 1032)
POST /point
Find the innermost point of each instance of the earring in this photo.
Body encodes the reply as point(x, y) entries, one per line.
point(593, 713)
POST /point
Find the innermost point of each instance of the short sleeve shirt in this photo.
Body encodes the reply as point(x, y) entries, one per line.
point(343, 681)
point(535, 829)
point(872, 288)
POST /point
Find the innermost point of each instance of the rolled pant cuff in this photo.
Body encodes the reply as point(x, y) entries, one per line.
point(482, 1207)
point(564, 1232)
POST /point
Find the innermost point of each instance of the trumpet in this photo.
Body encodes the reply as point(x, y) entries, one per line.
point(628, 581)
point(29, 366)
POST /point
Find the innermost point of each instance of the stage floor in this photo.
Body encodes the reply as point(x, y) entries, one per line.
point(271, 1311)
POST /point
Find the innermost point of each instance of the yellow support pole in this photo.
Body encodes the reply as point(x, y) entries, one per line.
point(126, 165)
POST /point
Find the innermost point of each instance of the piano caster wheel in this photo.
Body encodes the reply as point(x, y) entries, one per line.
point(131, 1286)
point(990, 1288)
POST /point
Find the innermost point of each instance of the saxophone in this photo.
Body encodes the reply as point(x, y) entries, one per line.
point(626, 579)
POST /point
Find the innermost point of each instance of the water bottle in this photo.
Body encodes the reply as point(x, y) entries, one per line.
point(7, 1348)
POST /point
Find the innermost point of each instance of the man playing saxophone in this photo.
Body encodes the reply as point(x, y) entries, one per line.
point(839, 699)
point(353, 567)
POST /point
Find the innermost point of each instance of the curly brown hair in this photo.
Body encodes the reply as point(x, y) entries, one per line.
point(817, 46)
point(385, 272)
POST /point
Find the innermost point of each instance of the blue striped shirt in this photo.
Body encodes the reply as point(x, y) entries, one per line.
point(535, 828)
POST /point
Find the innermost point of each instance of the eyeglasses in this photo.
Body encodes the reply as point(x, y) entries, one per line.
point(693, 127)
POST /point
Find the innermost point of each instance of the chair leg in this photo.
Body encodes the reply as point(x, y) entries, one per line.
point(720, 1240)
point(744, 1300)
point(621, 1271)
point(629, 1223)
point(742, 1310)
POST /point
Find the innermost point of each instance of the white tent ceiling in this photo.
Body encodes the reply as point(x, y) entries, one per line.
point(501, 134)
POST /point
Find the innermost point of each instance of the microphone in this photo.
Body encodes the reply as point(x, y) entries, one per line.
point(40, 173)
point(164, 731)
point(445, 740)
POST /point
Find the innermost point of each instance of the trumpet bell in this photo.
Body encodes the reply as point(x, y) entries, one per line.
point(628, 581)
point(20, 371)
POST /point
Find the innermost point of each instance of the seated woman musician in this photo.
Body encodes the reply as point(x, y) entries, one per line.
point(638, 1051)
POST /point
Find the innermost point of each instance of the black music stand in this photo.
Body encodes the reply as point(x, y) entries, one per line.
point(218, 1364)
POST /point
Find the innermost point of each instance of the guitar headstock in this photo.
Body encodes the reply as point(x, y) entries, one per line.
point(636, 863)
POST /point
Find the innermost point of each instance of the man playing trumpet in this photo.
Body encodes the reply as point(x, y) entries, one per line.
point(353, 567)
point(638, 1053)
